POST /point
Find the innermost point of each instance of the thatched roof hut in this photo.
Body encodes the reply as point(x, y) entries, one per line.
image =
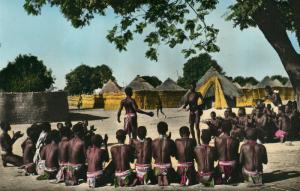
point(267, 81)
point(111, 87)
point(169, 85)
point(237, 85)
point(139, 84)
point(288, 84)
point(228, 87)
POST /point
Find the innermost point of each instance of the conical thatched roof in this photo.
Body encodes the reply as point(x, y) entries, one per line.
point(228, 87)
point(288, 84)
point(249, 86)
point(169, 85)
point(237, 85)
point(111, 87)
point(138, 84)
point(268, 82)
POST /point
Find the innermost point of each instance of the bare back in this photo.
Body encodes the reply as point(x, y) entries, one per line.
point(76, 151)
point(205, 157)
point(185, 148)
point(50, 154)
point(143, 151)
point(62, 150)
point(252, 156)
point(227, 148)
point(122, 156)
point(95, 157)
point(163, 149)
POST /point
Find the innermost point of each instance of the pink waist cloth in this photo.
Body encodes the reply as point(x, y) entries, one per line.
point(162, 166)
point(123, 173)
point(185, 164)
point(94, 174)
point(227, 163)
point(280, 134)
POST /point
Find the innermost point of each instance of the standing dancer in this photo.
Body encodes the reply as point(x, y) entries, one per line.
point(195, 109)
point(131, 108)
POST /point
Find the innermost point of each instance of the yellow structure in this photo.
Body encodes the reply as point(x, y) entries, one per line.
point(218, 89)
point(253, 93)
point(170, 94)
point(88, 101)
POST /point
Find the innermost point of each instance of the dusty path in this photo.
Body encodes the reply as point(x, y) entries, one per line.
point(282, 172)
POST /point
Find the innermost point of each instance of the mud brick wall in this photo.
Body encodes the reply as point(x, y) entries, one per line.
point(33, 107)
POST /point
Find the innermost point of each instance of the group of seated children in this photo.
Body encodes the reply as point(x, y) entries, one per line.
point(74, 153)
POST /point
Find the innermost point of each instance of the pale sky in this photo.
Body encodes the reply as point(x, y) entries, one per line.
point(52, 39)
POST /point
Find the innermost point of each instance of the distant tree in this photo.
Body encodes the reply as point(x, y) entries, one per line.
point(196, 67)
point(84, 79)
point(26, 74)
point(245, 80)
point(281, 78)
point(153, 80)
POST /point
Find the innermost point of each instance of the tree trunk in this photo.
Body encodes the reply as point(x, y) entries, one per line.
point(270, 23)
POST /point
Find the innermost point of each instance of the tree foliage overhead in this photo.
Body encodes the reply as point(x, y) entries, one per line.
point(85, 79)
point(245, 80)
point(196, 67)
point(26, 74)
point(153, 80)
point(171, 22)
point(281, 78)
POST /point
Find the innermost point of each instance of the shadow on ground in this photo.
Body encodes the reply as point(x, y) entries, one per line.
point(84, 116)
point(279, 175)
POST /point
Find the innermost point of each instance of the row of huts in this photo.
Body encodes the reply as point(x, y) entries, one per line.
point(218, 92)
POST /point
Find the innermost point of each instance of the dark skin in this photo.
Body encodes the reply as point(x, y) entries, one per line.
point(227, 147)
point(63, 150)
point(7, 143)
point(131, 107)
point(143, 151)
point(184, 153)
point(284, 122)
point(205, 157)
point(50, 154)
point(252, 156)
point(122, 156)
point(274, 97)
point(28, 151)
point(214, 124)
point(76, 150)
point(162, 150)
point(96, 156)
point(192, 101)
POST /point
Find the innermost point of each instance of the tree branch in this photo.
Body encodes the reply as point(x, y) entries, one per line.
point(295, 7)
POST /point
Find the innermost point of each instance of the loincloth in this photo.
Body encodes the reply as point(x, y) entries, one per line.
point(194, 117)
point(253, 177)
point(185, 166)
point(60, 176)
point(93, 178)
point(142, 171)
point(162, 169)
point(206, 178)
point(122, 178)
point(280, 134)
point(227, 169)
point(73, 173)
point(130, 123)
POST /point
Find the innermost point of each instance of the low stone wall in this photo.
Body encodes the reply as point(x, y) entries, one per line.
point(33, 107)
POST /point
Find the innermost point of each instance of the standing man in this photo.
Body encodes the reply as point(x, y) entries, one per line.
point(131, 108)
point(159, 107)
point(143, 154)
point(252, 156)
point(122, 155)
point(6, 143)
point(162, 150)
point(196, 111)
point(185, 156)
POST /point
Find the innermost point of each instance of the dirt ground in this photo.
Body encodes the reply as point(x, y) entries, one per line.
point(281, 173)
